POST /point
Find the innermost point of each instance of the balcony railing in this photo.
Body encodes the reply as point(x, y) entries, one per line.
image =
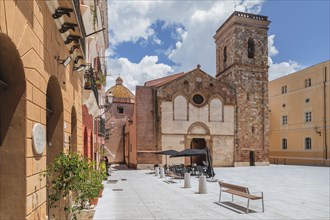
point(101, 127)
point(90, 84)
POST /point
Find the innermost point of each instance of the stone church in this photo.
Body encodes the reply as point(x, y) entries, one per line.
point(227, 113)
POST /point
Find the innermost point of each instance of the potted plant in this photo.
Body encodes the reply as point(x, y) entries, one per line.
point(71, 182)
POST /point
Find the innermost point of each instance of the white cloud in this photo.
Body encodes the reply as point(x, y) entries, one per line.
point(135, 74)
point(131, 20)
point(277, 70)
point(272, 51)
point(195, 24)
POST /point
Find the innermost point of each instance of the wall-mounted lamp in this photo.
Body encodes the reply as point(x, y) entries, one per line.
point(108, 101)
point(76, 46)
point(64, 62)
point(61, 11)
point(71, 38)
point(66, 26)
point(316, 129)
point(77, 59)
point(79, 68)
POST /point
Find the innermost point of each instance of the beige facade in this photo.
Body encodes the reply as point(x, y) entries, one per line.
point(183, 122)
point(300, 117)
point(35, 87)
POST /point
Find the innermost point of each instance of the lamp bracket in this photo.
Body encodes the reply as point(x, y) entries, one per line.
point(61, 11)
point(66, 26)
point(71, 38)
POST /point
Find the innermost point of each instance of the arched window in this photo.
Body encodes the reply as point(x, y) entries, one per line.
point(250, 48)
point(180, 108)
point(215, 110)
point(308, 143)
point(225, 54)
point(284, 144)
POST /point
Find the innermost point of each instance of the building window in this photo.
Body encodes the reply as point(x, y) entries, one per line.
point(284, 89)
point(284, 144)
point(120, 110)
point(284, 120)
point(250, 48)
point(224, 54)
point(308, 143)
point(198, 99)
point(308, 116)
point(308, 82)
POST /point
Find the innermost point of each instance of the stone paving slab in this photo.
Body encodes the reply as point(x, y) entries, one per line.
point(290, 192)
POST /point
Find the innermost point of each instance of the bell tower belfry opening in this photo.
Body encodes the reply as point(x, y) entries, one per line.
point(242, 63)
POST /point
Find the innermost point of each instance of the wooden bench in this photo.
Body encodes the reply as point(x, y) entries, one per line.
point(240, 191)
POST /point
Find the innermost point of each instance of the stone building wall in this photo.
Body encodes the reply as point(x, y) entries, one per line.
point(212, 122)
point(249, 77)
point(146, 142)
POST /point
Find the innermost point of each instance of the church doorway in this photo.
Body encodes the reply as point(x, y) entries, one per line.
point(12, 131)
point(198, 143)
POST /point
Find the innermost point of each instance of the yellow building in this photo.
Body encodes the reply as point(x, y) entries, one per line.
point(299, 106)
point(42, 47)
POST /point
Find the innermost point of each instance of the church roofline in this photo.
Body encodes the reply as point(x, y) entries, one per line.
point(165, 80)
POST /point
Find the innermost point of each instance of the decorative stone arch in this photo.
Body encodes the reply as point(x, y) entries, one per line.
point(198, 128)
point(197, 131)
point(180, 112)
point(54, 119)
point(73, 134)
point(54, 127)
point(216, 115)
point(12, 131)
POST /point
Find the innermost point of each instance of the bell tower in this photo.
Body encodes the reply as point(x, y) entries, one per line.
point(242, 63)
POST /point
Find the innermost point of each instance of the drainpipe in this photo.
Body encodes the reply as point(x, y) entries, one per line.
point(325, 114)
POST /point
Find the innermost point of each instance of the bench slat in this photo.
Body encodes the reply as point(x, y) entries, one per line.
point(245, 195)
point(234, 187)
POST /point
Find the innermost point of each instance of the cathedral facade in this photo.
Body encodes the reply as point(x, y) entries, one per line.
point(228, 114)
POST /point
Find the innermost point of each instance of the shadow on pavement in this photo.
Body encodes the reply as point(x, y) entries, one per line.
point(234, 207)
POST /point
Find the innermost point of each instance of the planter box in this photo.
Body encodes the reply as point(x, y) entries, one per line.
point(93, 201)
point(86, 214)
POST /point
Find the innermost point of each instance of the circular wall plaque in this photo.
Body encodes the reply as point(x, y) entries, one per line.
point(38, 138)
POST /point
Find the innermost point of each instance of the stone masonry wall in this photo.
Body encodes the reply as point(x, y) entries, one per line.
point(249, 77)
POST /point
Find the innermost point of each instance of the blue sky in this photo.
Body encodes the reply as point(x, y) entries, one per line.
point(152, 39)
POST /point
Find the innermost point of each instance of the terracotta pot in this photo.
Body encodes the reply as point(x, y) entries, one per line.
point(87, 85)
point(93, 201)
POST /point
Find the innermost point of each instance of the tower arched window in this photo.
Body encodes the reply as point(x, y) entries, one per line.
point(250, 48)
point(225, 54)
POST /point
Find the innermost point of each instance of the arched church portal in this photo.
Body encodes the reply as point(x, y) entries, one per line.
point(12, 131)
point(198, 143)
point(198, 137)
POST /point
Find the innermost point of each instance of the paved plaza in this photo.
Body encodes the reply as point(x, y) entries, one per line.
point(290, 192)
